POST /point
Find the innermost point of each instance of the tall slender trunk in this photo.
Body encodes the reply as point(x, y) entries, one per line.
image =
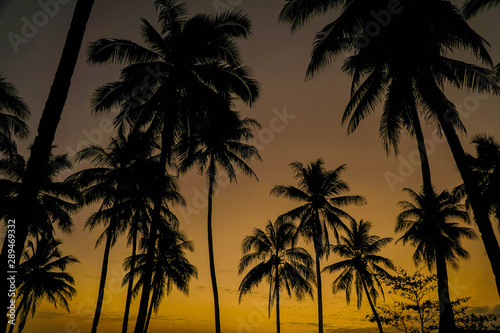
point(277, 288)
point(422, 151)
point(375, 314)
point(102, 282)
point(479, 209)
point(42, 145)
point(446, 319)
point(167, 143)
point(130, 283)
point(211, 184)
point(150, 312)
point(320, 292)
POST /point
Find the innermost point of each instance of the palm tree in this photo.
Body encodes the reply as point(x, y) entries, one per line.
point(362, 266)
point(188, 62)
point(278, 261)
point(322, 193)
point(171, 267)
point(428, 226)
point(13, 113)
point(43, 277)
point(407, 61)
point(218, 142)
point(473, 7)
point(42, 145)
point(56, 201)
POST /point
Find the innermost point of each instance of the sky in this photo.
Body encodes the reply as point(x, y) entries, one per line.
point(301, 121)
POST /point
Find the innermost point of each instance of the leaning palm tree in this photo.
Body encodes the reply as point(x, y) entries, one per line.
point(321, 193)
point(429, 225)
point(407, 62)
point(171, 267)
point(473, 7)
point(56, 201)
point(362, 266)
point(43, 277)
point(188, 62)
point(13, 113)
point(278, 261)
point(42, 145)
point(218, 143)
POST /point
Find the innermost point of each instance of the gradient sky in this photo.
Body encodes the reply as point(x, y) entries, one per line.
point(313, 130)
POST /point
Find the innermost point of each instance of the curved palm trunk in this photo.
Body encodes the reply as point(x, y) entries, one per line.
point(479, 209)
point(167, 143)
point(211, 184)
point(320, 292)
point(375, 314)
point(130, 284)
point(277, 288)
point(422, 151)
point(446, 319)
point(42, 145)
point(150, 312)
point(102, 282)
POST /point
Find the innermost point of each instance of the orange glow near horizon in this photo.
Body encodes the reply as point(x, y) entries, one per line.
point(311, 130)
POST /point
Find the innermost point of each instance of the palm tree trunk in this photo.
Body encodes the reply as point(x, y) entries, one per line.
point(150, 312)
point(102, 283)
point(167, 143)
point(446, 319)
point(479, 209)
point(130, 283)
point(42, 144)
point(375, 314)
point(320, 293)
point(211, 244)
point(422, 151)
point(277, 288)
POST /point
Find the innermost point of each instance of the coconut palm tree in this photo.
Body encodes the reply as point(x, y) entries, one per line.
point(218, 143)
point(321, 193)
point(278, 261)
point(171, 267)
point(406, 61)
point(56, 201)
point(185, 63)
point(362, 266)
point(429, 225)
point(43, 277)
point(42, 145)
point(471, 8)
point(13, 113)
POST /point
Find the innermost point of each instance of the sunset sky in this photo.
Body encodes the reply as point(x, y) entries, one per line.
point(300, 121)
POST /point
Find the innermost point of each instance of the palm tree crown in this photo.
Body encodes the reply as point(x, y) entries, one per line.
point(362, 267)
point(283, 265)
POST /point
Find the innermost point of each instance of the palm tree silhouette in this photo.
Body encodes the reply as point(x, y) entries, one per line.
point(187, 63)
point(407, 61)
point(114, 182)
point(171, 267)
point(278, 261)
point(13, 113)
point(42, 145)
point(322, 193)
point(43, 277)
point(218, 143)
point(362, 266)
point(56, 201)
point(428, 226)
point(471, 8)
